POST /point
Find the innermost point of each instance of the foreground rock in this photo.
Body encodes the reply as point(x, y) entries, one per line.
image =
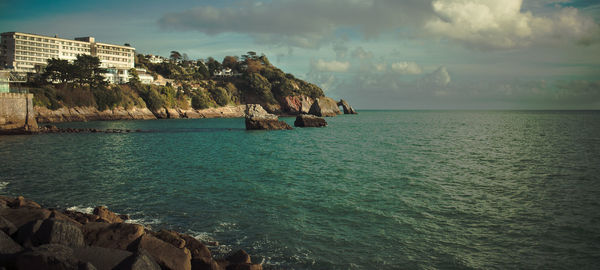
point(325, 107)
point(346, 107)
point(32, 237)
point(306, 120)
point(258, 119)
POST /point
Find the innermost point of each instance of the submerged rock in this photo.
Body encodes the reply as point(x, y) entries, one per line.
point(346, 107)
point(305, 120)
point(258, 119)
point(325, 107)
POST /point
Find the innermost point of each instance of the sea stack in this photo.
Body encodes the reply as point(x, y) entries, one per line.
point(325, 107)
point(306, 120)
point(258, 119)
point(346, 107)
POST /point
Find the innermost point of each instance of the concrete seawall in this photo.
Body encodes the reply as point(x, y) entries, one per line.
point(16, 112)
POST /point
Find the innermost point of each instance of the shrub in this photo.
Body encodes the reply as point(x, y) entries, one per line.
point(200, 101)
point(220, 95)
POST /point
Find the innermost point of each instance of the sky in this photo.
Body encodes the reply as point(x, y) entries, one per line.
point(376, 54)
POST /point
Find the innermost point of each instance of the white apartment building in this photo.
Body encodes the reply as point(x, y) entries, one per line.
point(29, 52)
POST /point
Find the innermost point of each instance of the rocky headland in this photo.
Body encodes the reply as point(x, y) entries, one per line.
point(33, 237)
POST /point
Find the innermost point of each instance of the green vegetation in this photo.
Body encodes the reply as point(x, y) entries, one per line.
point(192, 84)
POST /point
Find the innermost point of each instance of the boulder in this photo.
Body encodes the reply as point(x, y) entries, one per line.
point(50, 231)
point(346, 107)
point(324, 107)
point(165, 254)
point(196, 248)
point(244, 266)
point(173, 113)
point(307, 120)
point(161, 113)
point(26, 233)
point(82, 218)
point(22, 216)
point(170, 237)
point(101, 258)
point(112, 235)
point(239, 256)
point(8, 248)
point(258, 119)
point(138, 261)
point(52, 256)
point(7, 226)
point(22, 202)
point(105, 214)
point(201, 264)
point(297, 104)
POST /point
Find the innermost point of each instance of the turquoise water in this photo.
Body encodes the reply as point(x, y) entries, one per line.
point(379, 190)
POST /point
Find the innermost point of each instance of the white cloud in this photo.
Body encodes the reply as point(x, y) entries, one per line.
point(331, 66)
point(492, 24)
point(406, 68)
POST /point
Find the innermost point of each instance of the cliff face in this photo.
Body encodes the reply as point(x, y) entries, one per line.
point(82, 114)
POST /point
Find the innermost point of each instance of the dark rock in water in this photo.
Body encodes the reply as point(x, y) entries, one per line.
point(112, 235)
point(52, 256)
point(109, 216)
point(101, 258)
point(258, 119)
point(138, 261)
point(239, 256)
point(305, 120)
point(267, 125)
point(325, 107)
point(165, 254)
point(346, 107)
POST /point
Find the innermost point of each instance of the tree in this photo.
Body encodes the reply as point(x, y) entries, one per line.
point(59, 70)
point(213, 65)
point(231, 62)
point(175, 55)
point(134, 80)
point(88, 71)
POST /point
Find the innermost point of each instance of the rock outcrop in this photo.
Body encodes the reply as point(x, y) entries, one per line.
point(325, 107)
point(45, 115)
point(306, 120)
point(297, 104)
point(258, 119)
point(32, 237)
point(346, 107)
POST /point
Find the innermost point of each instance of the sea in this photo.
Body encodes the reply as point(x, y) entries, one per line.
point(377, 190)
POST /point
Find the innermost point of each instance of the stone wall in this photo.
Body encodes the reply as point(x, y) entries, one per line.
point(16, 112)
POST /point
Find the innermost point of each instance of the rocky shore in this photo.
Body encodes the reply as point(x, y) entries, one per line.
point(83, 114)
point(33, 237)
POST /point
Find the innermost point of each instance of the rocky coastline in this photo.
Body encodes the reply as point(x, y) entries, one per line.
point(33, 237)
point(83, 114)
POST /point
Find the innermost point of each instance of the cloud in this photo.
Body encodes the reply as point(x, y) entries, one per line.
point(406, 68)
point(490, 24)
point(332, 66)
point(300, 23)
